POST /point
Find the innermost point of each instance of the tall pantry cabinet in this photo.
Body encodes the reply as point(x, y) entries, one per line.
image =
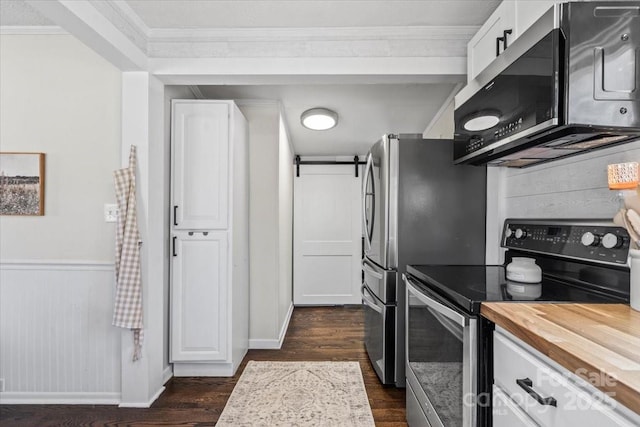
point(209, 328)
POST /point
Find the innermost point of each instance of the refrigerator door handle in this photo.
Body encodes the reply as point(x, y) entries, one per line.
point(370, 271)
point(368, 301)
point(368, 228)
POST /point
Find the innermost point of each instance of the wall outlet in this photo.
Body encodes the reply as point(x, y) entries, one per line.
point(110, 212)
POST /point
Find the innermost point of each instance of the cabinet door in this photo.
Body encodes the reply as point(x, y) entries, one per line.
point(200, 165)
point(199, 297)
point(481, 49)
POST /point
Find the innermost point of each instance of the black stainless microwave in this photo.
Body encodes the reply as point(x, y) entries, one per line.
point(569, 83)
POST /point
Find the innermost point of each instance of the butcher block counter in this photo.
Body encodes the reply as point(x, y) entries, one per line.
point(591, 340)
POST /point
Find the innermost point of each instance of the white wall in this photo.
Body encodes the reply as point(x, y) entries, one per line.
point(270, 224)
point(285, 224)
point(59, 97)
point(56, 283)
point(263, 218)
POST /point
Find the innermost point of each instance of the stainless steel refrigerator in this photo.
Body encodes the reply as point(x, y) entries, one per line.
point(419, 208)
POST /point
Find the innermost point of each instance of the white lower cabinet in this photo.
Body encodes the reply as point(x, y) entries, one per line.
point(531, 389)
point(199, 310)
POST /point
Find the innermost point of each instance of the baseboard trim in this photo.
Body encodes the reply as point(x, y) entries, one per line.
point(57, 398)
point(167, 374)
point(273, 344)
point(203, 369)
point(143, 404)
point(285, 325)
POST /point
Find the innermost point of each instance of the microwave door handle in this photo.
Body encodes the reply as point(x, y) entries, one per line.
point(452, 315)
point(366, 300)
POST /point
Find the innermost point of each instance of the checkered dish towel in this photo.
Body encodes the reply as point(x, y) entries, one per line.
point(127, 312)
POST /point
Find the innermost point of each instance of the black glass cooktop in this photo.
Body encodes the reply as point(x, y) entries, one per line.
point(469, 285)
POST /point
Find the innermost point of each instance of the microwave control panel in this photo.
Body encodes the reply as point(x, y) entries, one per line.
point(584, 241)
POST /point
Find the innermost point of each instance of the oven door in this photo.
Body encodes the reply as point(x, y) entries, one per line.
point(441, 358)
point(379, 337)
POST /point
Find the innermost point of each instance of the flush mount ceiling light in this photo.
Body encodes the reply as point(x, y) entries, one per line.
point(481, 122)
point(319, 119)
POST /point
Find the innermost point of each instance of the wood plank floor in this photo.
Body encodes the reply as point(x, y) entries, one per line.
point(315, 334)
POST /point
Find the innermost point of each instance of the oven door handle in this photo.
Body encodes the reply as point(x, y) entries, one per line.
point(433, 304)
point(366, 300)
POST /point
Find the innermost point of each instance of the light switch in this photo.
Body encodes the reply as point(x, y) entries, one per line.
point(110, 212)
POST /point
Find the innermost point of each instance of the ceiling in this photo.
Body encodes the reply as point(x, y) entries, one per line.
point(366, 111)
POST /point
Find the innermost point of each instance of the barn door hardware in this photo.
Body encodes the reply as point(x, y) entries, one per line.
point(356, 162)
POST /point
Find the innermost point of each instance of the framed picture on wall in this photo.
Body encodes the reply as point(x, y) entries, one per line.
point(21, 183)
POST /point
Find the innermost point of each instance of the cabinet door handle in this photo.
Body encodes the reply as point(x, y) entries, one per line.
point(173, 250)
point(526, 384)
point(498, 40)
point(505, 33)
point(175, 215)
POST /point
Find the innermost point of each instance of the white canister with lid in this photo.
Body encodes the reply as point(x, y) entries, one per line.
point(525, 270)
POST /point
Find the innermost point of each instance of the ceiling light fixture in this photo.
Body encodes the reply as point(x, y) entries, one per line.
point(319, 119)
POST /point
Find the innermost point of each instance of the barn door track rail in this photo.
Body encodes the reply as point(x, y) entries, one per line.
point(356, 162)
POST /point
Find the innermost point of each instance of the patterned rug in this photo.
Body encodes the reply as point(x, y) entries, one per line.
point(298, 394)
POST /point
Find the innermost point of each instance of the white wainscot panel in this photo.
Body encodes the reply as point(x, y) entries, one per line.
point(57, 344)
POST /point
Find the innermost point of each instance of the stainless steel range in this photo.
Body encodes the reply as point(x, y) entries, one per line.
point(449, 367)
point(418, 207)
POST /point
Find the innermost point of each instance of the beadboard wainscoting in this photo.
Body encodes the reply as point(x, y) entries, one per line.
point(57, 344)
point(575, 187)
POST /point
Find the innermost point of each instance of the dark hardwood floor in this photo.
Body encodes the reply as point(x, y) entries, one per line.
point(315, 334)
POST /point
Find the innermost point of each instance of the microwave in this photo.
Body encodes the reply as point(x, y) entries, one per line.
point(570, 83)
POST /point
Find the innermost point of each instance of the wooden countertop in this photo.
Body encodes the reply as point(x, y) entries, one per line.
point(595, 341)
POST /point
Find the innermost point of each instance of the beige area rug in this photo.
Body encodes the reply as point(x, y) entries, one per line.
point(298, 394)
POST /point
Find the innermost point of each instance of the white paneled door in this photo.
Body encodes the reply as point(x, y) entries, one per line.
point(327, 235)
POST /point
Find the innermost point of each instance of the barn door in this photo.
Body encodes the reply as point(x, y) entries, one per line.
point(327, 235)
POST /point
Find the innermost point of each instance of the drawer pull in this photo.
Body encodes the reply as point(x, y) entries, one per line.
point(526, 384)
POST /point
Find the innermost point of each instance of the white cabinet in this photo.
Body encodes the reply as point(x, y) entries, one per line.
point(504, 26)
point(209, 328)
point(531, 389)
point(200, 172)
point(199, 292)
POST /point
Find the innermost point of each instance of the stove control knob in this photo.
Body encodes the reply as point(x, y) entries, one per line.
point(520, 233)
point(590, 239)
point(508, 233)
point(611, 241)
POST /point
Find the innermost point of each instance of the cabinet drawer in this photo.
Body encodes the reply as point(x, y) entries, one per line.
point(575, 405)
point(507, 413)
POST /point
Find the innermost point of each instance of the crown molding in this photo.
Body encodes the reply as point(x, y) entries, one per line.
point(316, 33)
point(128, 22)
point(52, 30)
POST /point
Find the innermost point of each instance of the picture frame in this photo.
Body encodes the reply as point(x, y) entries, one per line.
point(22, 183)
